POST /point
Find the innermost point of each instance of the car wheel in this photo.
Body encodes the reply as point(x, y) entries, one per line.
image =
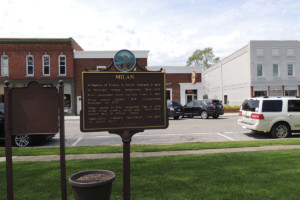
point(216, 116)
point(204, 115)
point(176, 117)
point(22, 140)
point(281, 130)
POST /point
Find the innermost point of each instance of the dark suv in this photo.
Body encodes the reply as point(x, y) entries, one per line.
point(203, 108)
point(21, 140)
point(175, 109)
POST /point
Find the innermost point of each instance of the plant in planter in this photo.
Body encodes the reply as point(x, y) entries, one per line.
point(92, 184)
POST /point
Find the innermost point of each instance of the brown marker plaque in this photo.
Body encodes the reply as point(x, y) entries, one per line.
point(34, 109)
point(123, 101)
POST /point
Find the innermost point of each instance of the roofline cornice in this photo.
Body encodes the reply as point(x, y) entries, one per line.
point(108, 54)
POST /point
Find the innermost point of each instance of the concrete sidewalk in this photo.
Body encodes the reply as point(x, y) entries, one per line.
point(151, 154)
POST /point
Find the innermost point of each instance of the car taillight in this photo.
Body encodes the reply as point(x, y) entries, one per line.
point(241, 113)
point(257, 116)
point(172, 108)
point(213, 106)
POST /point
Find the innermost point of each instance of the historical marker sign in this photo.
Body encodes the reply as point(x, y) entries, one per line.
point(124, 60)
point(34, 109)
point(123, 101)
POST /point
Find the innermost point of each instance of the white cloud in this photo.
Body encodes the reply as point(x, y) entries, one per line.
point(171, 30)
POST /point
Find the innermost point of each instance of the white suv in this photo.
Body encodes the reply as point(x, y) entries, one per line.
point(278, 115)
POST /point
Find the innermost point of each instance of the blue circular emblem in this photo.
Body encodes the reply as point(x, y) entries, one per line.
point(124, 60)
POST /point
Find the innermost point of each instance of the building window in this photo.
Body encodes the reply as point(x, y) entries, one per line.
point(275, 70)
point(290, 92)
point(169, 94)
point(46, 65)
point(275, 52)
point(4, 65)
point(259, 70)
point(275, 92)
point(290, 52)
point(225, 99)
point(259, 52)
point(260, 93)
point(62, 65)
point(290, 70)
point(29, 65)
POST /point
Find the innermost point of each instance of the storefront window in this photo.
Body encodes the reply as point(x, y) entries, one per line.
point(290, 92)
point(275, 93)
point(260, 93)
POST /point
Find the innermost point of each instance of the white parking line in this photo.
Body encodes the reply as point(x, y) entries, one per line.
point(156, 135)
point(226, 137)
point(137, 135)
point(75, 143)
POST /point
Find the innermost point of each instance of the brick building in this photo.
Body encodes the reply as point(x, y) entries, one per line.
point(180, 85)
point(44, 60)
point(50, 60)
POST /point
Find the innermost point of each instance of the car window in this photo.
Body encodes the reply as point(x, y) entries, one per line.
point(294, 105)
point(176, 103)
point(250, 105)
point(197, 103)
point(216, 102)
point(190, 104)
point(2, 110)
point(206, 102)
point(272, 106)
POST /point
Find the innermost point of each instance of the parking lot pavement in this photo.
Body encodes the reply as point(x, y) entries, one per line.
point(179, 131)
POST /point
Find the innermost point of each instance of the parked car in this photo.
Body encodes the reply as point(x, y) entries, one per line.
point(204, 108)
point(175, 109)
point(278, 115)
point(21, 140)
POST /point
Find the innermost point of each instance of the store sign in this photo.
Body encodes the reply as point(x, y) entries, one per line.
point(123, 101)
point(194, 77)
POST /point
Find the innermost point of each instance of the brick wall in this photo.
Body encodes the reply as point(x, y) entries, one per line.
point(17, 60)
point(173, 80)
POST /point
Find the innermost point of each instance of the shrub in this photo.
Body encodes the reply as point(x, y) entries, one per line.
point(231, 107)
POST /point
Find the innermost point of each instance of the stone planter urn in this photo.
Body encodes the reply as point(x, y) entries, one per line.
point(92, 184)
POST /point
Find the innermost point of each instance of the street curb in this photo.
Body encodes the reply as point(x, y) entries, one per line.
point(71, 118)
point(151, 154)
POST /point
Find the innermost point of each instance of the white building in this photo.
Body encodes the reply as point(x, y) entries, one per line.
point(261, 68)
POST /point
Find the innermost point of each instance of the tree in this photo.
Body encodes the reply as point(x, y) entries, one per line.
point(204, 58)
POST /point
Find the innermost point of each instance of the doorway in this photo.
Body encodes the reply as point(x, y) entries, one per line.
point(190, 95)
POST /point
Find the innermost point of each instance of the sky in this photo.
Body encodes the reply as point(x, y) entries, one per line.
point(170, 29)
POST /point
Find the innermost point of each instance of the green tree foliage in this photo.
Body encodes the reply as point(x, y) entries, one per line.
point(204, 58)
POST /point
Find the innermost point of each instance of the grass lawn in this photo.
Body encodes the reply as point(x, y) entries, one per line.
point(33, 151)
point(252, 175)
